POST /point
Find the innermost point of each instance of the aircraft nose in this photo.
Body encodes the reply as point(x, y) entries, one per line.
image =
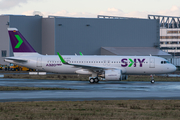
point(173, 68)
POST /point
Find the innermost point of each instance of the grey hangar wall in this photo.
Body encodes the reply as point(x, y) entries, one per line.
point(73, 35)
point(87, 35)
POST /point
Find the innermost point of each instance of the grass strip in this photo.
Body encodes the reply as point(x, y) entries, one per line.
point(92, 110)
point(9, 88)
point(86, 77)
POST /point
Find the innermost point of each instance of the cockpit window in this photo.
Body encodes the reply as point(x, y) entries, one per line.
point(164, 62)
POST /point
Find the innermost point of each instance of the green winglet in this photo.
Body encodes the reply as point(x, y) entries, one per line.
point(61, 58)
point(81, 53)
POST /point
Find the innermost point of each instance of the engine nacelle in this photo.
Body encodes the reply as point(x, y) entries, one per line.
point(113, 75)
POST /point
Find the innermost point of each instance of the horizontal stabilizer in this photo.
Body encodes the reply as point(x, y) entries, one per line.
point(15, 60)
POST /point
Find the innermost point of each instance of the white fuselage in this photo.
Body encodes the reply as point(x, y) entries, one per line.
point(128, 64)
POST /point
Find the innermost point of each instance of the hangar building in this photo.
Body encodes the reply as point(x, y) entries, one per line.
point(91, 36)
point(169, 36)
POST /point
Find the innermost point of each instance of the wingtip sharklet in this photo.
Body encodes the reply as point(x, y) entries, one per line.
point(62, 59)
point(81, 53)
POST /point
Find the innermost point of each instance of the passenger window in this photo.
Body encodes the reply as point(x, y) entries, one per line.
point(161, 62)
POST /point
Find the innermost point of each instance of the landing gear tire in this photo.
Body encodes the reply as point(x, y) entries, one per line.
point(96, 80)
point(152, 81)
point(92, 80)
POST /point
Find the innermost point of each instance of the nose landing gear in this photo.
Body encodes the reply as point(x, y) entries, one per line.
point(152, 79)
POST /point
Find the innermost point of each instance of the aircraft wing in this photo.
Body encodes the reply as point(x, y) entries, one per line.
point(92, 68)
point(88, 67)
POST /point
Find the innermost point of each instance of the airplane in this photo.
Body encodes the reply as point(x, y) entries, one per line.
point(98, 66)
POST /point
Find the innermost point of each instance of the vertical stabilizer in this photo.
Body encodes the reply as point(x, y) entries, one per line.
point(19, 44)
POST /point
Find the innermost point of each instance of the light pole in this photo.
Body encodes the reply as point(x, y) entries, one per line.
point(174, 55)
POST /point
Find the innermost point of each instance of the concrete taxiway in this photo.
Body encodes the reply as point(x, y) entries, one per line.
point(105, 90)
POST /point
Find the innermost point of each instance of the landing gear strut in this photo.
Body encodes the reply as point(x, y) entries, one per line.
point(152, 79)
point(94, 80)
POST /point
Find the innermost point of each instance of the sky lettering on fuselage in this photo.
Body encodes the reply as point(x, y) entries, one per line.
point(125, 62)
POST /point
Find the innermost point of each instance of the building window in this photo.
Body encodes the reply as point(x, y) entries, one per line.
point(169, 37)
point(161, 42)
point(3, 53)
point(171, 32)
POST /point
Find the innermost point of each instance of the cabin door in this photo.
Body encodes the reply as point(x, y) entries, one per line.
point(152, 63)
point(39, 62)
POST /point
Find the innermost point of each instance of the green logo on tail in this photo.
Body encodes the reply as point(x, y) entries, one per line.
point(20, 41)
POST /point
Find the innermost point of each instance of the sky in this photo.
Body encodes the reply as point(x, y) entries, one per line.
point(91, 8)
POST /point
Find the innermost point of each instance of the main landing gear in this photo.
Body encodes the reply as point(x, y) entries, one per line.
point(152, 79)
point(94, 80)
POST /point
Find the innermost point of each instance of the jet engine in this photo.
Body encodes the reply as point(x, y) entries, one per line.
point(115, 74)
